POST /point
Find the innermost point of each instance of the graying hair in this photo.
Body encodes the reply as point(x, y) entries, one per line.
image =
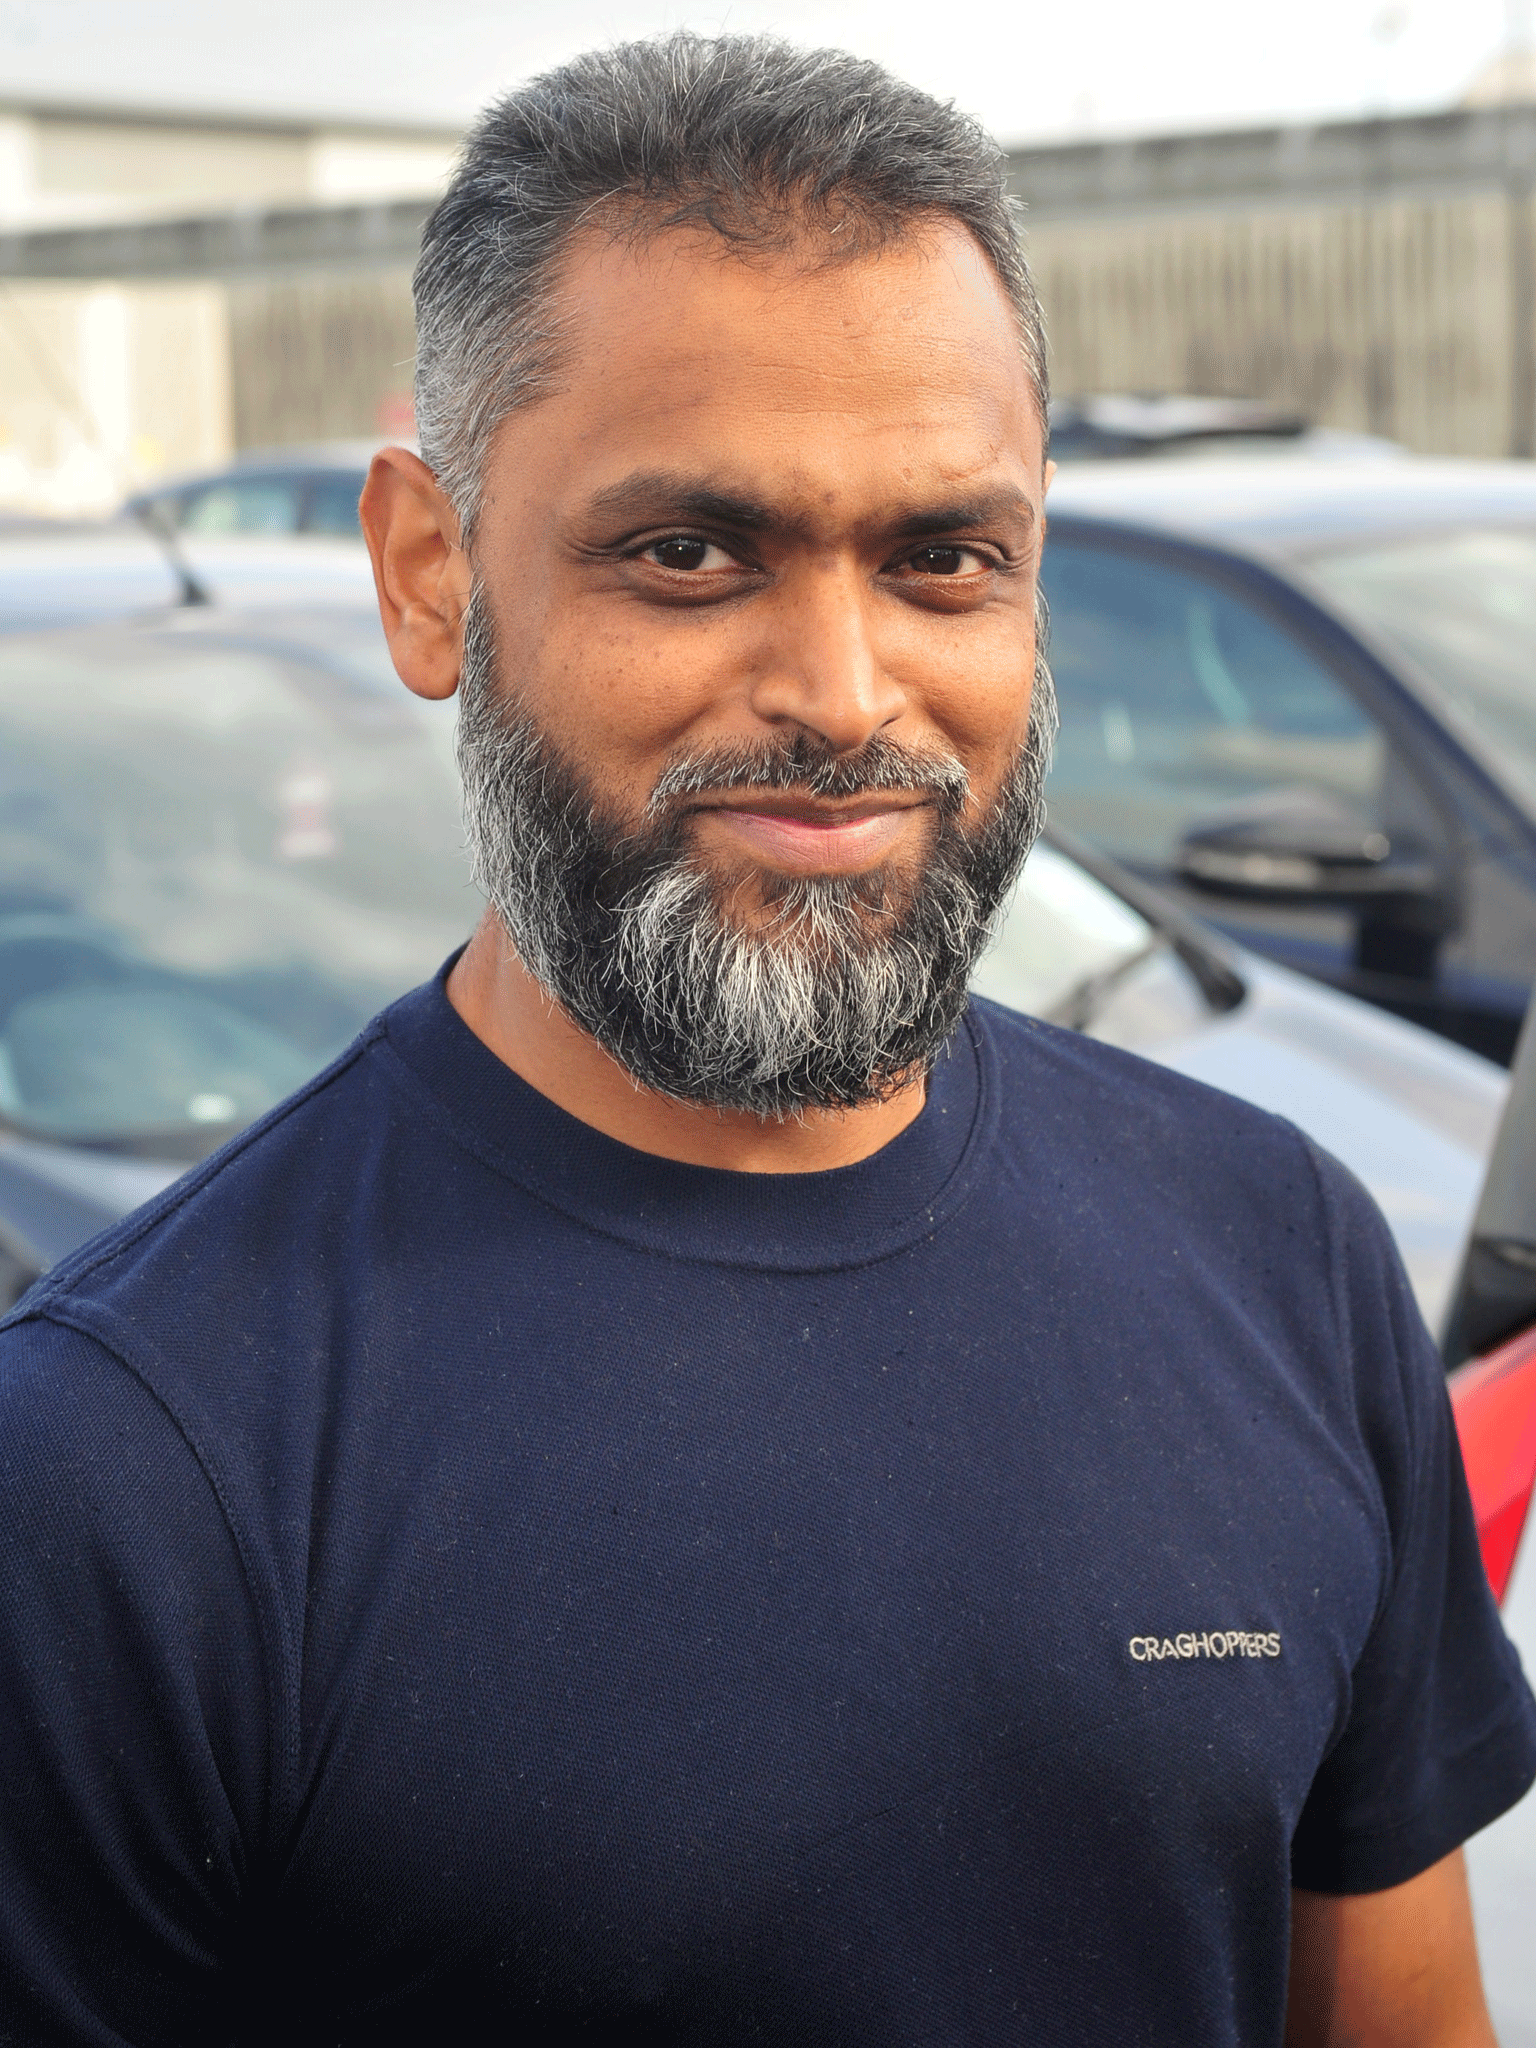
point(745, 135)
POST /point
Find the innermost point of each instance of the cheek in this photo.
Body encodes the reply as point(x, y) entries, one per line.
point(621, 684)
point(970, 679)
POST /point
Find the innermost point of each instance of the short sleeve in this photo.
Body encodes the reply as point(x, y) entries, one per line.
point(132, 1724)
point(1439, 1737)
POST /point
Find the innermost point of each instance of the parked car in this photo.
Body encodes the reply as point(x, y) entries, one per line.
point(1490, 1347)
point(1086, 945)
point(312, 490)
point(1490, 1336)
point(1302, 698)
point(227, 837)
point(1112, 425)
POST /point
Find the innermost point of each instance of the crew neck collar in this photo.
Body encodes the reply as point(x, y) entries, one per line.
point(847, 1215)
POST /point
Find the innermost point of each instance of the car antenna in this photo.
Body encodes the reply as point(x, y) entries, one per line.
point(163, 534)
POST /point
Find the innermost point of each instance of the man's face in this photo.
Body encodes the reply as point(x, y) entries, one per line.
point(756, 591)
point(769, 496)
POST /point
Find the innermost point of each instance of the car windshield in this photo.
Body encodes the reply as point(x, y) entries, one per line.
point(219, 855)
point(1462, 606)
point(1063, 933)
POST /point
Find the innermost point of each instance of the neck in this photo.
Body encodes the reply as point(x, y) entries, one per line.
point(528, 1031)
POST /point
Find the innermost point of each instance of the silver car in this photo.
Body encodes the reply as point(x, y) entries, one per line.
point(1412, 1115)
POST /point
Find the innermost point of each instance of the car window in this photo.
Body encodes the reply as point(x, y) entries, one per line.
point(332, 505)
point(1463, 607)
point(252, 505)
point(1179, 699)
point(216, 862)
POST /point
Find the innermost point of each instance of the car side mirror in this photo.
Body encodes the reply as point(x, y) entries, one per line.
point(1301, 847)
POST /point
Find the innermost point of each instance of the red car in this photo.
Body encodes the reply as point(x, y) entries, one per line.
point(1490, 1337)
point(1494, 1398)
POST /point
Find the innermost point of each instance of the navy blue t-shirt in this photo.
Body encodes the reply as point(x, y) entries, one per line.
point(466, 1580)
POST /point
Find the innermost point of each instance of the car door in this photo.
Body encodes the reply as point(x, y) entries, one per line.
point(1213, 744)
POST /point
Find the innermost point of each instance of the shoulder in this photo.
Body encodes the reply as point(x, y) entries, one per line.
point(102, 1489)
point(172, 1371)
point(143, 1665)
point(288, 1164)
point(204, 1299)
point(1198, 1210)
point(1190, 1194)
point(64, 1398)
point(1131, 1114)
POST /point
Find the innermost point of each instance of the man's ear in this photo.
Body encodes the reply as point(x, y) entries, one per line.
point(420, 571)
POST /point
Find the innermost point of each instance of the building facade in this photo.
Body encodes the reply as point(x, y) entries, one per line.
point(124, 356)
point(1378, 275)
point(172, 290)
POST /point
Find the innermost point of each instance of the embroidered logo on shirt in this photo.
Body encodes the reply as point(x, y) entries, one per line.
point(1216, 1642)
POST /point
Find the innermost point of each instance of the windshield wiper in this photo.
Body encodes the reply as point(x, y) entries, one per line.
point(1083, 1001)
point(1217, 979)
point(192, 591)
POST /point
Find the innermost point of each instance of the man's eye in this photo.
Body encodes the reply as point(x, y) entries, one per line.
point(682, 551)
point(947, 562)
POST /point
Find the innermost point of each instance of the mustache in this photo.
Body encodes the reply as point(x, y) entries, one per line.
point(811, 766)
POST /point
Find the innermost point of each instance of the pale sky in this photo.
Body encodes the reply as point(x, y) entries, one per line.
point(1075, 68)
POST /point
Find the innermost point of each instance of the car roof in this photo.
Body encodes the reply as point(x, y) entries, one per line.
point(310, 455)
point(115, 569)
point(1294, 507)
point(308, 458)
point(289, 622)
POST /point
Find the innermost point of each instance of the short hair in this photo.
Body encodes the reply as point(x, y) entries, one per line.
point(745, 135)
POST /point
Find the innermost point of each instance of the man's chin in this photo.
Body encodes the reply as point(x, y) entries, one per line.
point(760, 900)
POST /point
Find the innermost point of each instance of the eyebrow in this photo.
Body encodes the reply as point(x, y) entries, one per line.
point(1002, 503)
point(653, 494)
point(657, 494)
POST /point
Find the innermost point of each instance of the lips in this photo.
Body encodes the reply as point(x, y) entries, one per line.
point(811, 838)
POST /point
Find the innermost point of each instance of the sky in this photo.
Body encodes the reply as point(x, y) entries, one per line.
point(1073, 68)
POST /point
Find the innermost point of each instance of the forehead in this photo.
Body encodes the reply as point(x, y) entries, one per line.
point(884, 375)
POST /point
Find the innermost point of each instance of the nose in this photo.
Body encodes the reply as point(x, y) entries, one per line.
point(819, 665)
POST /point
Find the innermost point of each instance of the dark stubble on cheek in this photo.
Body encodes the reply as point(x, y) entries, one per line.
point(834, 993)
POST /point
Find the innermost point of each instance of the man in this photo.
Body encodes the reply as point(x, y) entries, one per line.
point(693, 1489)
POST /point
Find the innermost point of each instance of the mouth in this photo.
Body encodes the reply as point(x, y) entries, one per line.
point(812, 835)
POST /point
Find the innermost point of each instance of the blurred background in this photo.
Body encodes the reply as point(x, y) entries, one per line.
point(207, 218)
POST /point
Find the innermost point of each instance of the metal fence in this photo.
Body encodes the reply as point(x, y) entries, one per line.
point(1377, 275)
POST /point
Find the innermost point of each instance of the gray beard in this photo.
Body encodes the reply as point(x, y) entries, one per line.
point(840, 992)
